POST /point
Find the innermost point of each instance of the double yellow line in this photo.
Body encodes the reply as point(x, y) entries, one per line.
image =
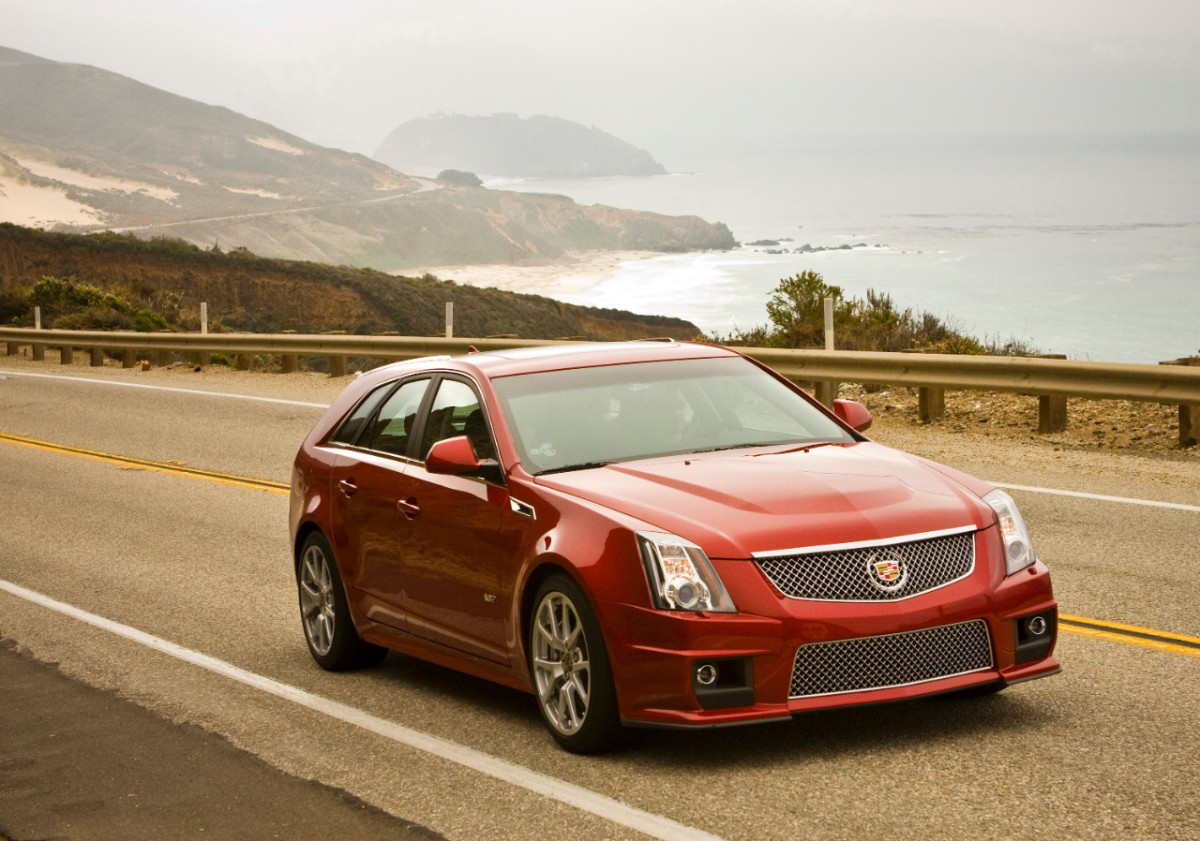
point(1075, 625)
point(1129, 634)
point(128, 462)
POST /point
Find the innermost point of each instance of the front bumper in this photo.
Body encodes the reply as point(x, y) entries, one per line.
point(888, 651)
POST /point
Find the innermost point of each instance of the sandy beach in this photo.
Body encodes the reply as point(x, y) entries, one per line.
point(578, 272)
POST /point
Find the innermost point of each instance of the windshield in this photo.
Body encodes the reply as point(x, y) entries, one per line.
point(585, 417)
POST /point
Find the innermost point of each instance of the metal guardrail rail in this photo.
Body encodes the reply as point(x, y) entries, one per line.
point(1177, 384)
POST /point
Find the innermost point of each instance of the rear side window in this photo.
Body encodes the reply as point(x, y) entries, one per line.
point(349, 431)
point(390, 431)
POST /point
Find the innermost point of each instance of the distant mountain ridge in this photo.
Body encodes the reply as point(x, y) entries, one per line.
point(83, 149)
point(505, 144)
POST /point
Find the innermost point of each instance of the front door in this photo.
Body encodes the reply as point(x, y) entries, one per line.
point(453, 555)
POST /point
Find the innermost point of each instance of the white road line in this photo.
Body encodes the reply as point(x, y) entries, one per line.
point(607, 808)
point(1122, 500)
point(4, 373)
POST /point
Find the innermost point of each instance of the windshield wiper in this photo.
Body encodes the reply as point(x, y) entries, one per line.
point(803, 448)
point(724, 447)
point(566, 468)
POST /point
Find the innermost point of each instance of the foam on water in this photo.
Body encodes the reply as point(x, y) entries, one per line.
point(1087, 248)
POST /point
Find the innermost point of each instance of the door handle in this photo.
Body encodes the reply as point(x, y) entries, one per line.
point(408, 507)
point(347, 487)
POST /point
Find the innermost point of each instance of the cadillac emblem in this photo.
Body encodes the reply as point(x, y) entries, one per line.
point(887, 571)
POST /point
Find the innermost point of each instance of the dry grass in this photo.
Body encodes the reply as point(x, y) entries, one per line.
point(1091, 424)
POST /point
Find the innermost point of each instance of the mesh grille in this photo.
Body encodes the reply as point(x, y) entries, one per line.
point(829, 668)
point(863, 573)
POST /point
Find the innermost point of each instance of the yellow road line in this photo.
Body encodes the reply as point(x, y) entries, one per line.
point(1130, 634)
point(128, 462)
point(1077, 625)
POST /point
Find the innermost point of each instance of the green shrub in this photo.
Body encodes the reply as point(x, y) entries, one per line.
point(796, 310)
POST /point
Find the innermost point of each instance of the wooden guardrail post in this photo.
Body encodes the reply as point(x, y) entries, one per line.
point(290, 363)
point(337, 361)
point(243, 362)
point(826, 391)
point(12, 348)
point(128, 357)
point(931, 399)
point(97, 357)
point(931, 403)
point(1189, 413)
point(1052, 408)
point(66, 355)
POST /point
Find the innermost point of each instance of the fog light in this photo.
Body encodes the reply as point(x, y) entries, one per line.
point(706, 675)
point(1037, 626)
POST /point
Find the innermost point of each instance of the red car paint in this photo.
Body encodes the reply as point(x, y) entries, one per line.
point(443, 565)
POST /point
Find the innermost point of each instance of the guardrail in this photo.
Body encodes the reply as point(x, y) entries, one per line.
point(1051, 380)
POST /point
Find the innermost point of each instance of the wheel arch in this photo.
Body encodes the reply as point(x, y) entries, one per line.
point(303, 531)
point(548, 568)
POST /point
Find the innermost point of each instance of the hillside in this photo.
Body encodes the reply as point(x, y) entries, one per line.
point(505, 144)
point(244, 292)
point(83, 149)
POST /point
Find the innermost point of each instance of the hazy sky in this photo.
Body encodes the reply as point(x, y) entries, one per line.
point(672, 77)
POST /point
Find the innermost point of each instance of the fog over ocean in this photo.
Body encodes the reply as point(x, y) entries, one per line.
point(1083, 246)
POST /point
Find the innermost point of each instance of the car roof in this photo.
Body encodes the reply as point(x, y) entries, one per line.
point(552, 357)
point(561, 357)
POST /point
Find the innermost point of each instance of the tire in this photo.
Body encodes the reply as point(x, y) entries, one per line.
point(324, 614)
point(568, 662)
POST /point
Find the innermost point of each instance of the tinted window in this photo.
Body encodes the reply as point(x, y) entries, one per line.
point(348, 432)
point(456, 411)
point(394, 423)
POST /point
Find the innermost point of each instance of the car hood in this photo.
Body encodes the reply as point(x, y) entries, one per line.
point(734, 504)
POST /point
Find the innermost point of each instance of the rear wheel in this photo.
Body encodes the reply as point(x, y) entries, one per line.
point(330, 634)
point(571, 672)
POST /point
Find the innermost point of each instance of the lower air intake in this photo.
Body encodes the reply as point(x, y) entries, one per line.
point(857, 665)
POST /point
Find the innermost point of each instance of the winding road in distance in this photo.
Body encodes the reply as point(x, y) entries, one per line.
point(144, 549)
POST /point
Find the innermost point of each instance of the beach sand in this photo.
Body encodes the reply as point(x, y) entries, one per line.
point(22, 203)
point(578, 272)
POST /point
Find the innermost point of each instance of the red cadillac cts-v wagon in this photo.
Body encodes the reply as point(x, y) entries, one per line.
point(656, 534)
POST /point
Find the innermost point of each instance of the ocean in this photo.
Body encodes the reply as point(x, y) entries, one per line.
point(1088, 247)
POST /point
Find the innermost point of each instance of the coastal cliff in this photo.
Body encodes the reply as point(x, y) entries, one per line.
point(83, 149)
point(505, 144)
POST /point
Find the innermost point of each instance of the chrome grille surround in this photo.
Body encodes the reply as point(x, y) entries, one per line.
point(843, 572)
point(891, 660)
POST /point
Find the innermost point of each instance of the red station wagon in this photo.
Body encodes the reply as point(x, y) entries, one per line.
point(653, 534)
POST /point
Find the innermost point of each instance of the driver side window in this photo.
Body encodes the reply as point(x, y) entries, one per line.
point(456, 411)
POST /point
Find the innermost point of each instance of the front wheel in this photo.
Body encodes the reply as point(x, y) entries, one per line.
point(571, 673)
point(328, 629)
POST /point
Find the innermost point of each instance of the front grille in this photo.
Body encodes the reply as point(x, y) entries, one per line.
point(860, 572)
point(856, 665)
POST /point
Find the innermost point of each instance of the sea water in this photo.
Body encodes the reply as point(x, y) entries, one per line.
point(1088, 247)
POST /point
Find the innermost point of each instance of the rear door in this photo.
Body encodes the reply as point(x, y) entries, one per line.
point(369, 525)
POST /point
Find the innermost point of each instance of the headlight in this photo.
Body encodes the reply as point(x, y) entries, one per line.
point(1018, 548)
point(681, 576)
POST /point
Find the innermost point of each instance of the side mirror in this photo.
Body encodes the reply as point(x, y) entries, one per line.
point(852, 413)
point(456, 457)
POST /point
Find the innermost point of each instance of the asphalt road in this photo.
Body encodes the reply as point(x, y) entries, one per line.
point(1108, 749)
